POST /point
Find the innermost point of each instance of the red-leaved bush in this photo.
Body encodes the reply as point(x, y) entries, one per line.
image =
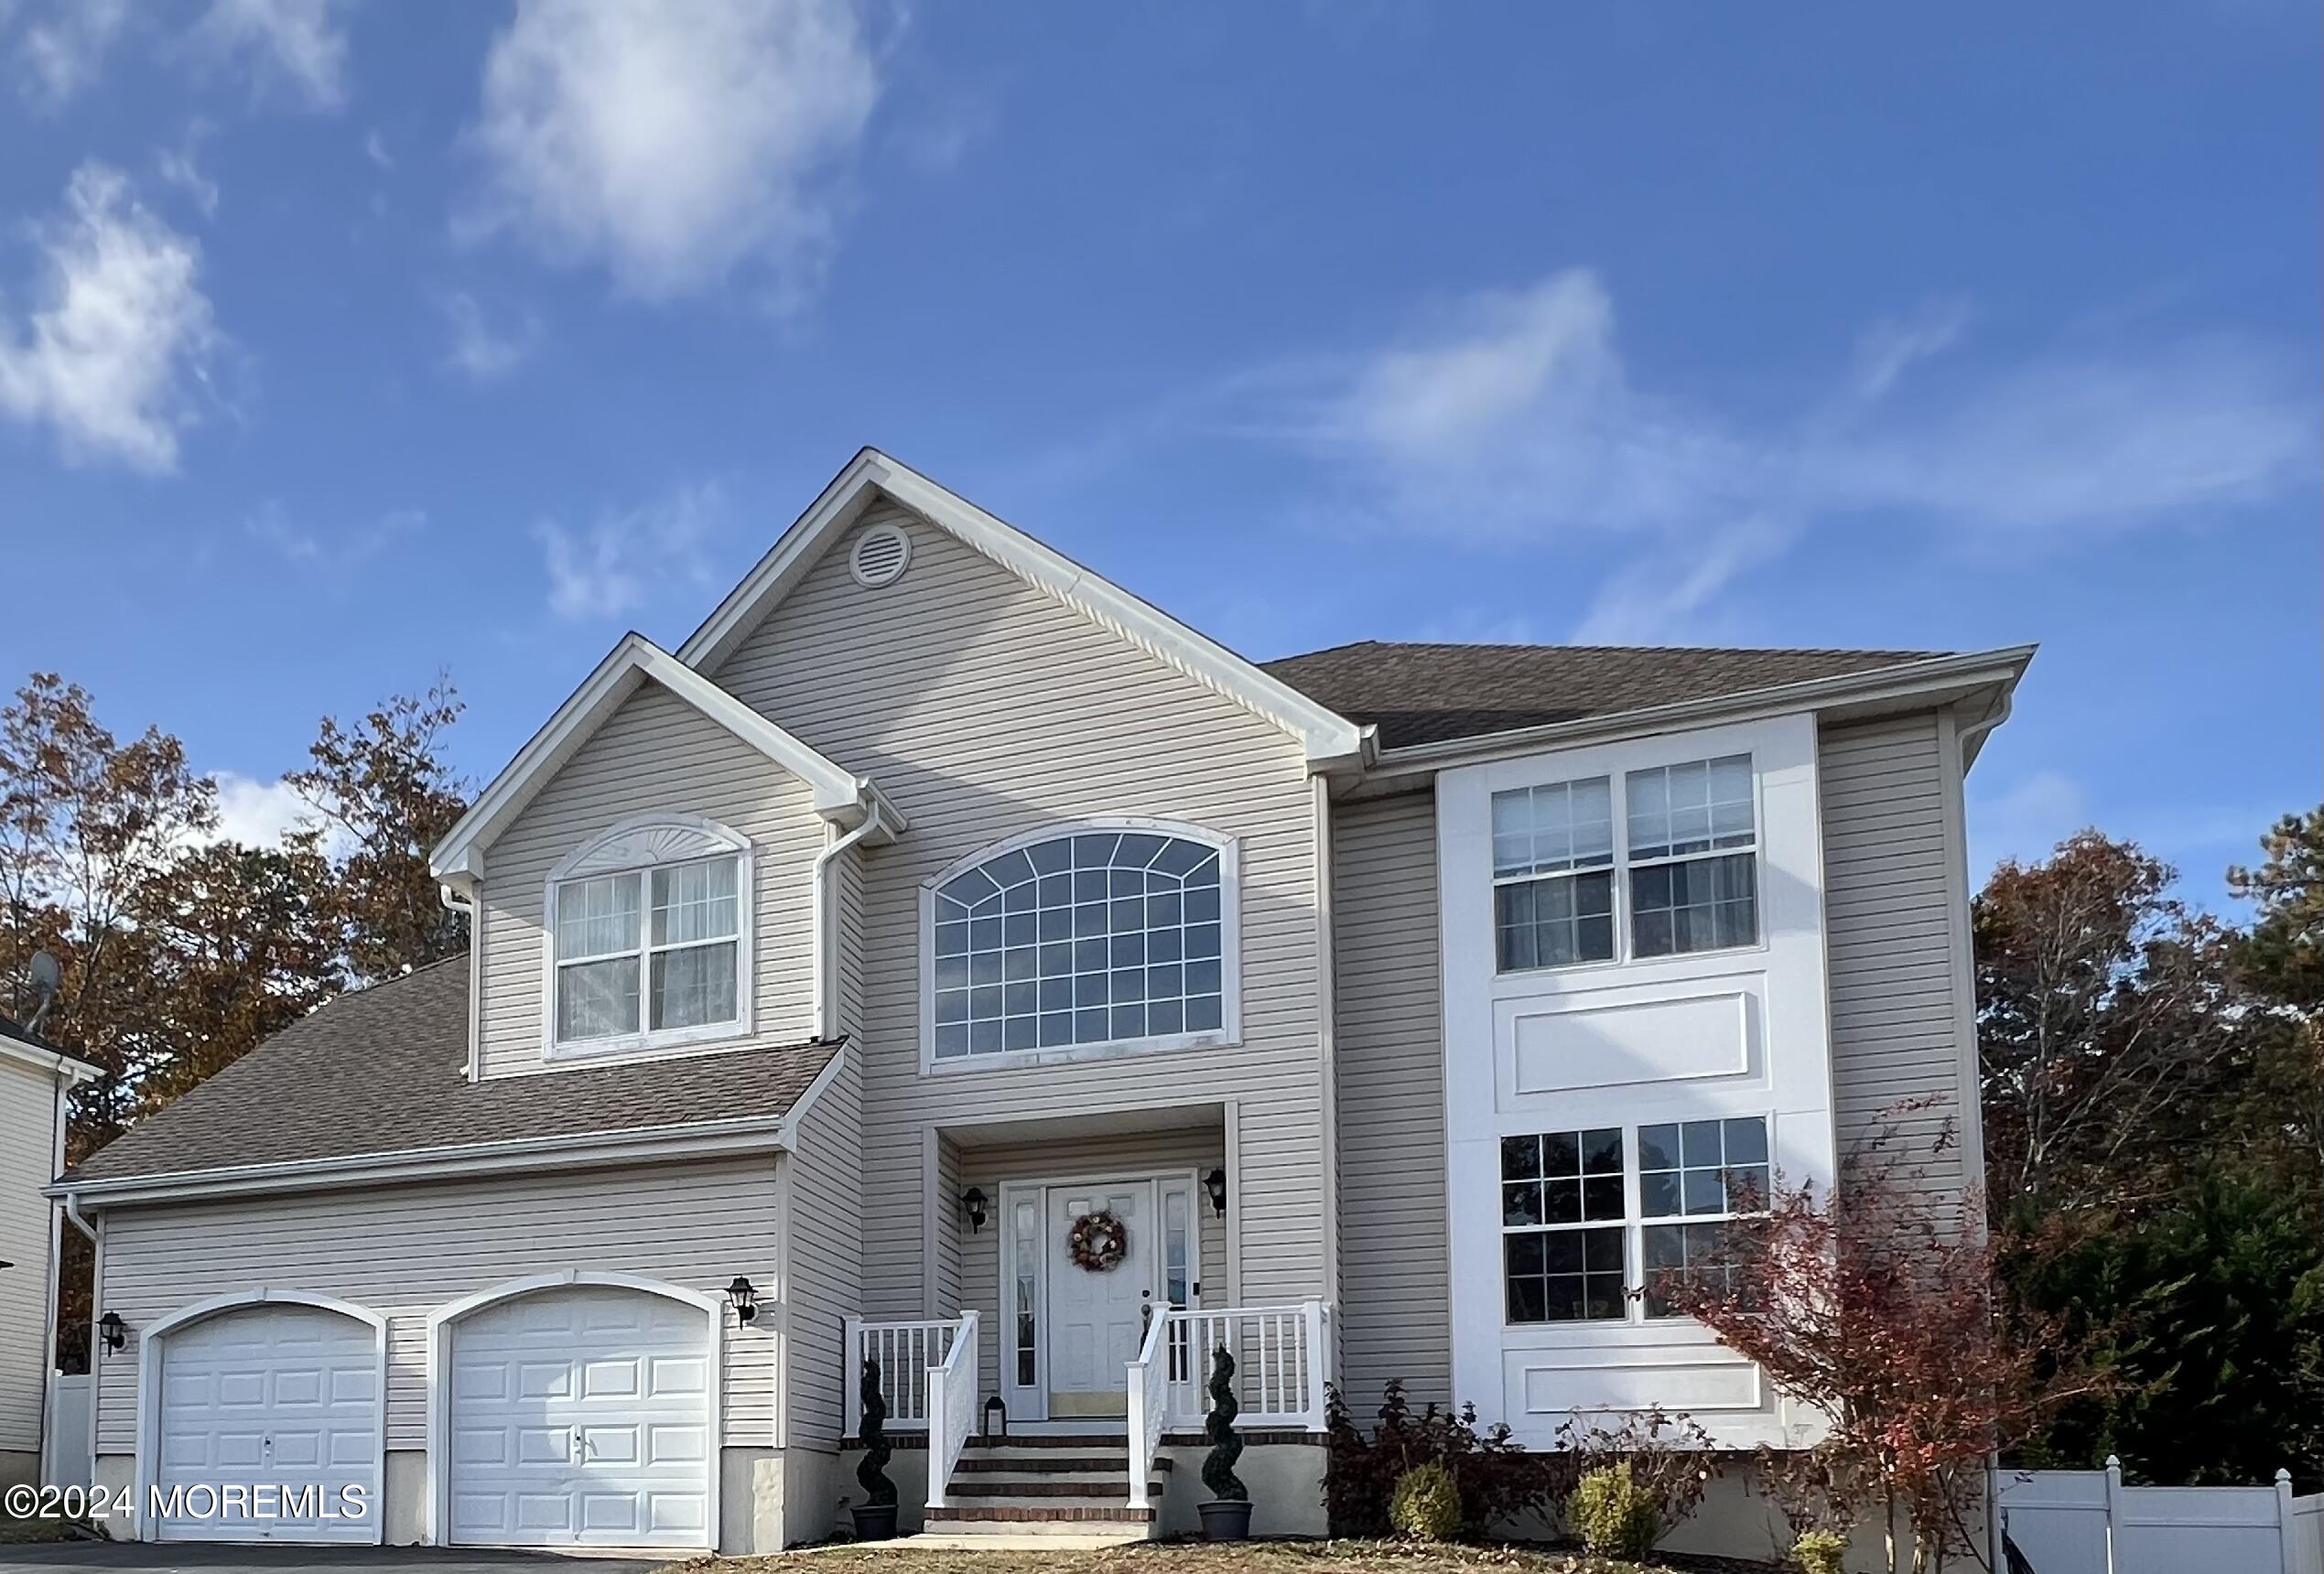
point(1881, 1314)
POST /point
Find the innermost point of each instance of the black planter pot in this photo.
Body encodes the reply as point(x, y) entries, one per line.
point(875, 1522)
point(1226, 1519)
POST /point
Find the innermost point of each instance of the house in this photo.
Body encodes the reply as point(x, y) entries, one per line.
point(945, 960)
point(36, 1080)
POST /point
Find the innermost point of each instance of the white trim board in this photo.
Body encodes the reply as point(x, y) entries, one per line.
point(52, 1062)
point(1331, 739)
point(837, 795)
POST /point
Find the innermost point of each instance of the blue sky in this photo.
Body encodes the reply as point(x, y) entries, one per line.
point(341, 343)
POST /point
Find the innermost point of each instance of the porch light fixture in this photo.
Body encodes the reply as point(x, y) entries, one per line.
point(972, 1203)
point(745, 1299)
point(114, 1331)
point(1216, 1184)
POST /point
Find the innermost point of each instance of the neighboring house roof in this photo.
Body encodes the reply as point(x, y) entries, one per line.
point(837, 794)
point(1418, 693)
point(31, 1049)
point(1328, 737)
point(384, 1070)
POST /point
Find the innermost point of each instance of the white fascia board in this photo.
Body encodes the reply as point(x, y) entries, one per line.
point(1940, 680)
point(49, 1062)
point(837, 794)
point(1331, 739)
point(748, 1135)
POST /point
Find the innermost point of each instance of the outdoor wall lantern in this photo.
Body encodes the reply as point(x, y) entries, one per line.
point(114, 1331)
point(743, 1298)
point(972, 1203)
point(1216, 1184)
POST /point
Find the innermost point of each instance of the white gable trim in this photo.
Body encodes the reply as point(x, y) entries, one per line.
point(1330, 738)
point(837, 795)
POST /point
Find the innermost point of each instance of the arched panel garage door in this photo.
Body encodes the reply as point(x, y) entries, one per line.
point(581, 1417)
point(266, 1414)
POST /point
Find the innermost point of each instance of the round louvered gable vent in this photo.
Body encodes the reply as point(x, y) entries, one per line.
point(880, 557)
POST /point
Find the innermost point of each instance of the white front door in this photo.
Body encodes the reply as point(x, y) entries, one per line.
point(269, 1416)
point(1096, 1319)
point(580, 1417)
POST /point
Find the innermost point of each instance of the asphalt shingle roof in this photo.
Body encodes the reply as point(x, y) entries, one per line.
point(384, 1070)
point(1429, 694)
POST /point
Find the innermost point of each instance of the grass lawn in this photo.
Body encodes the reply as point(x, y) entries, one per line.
point(1195, 1557)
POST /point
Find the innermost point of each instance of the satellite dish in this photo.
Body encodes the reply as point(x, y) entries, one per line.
point(45, 976)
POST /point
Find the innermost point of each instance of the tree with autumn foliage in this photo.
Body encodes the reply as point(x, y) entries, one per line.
point(181, 951)
point(1879, 1314)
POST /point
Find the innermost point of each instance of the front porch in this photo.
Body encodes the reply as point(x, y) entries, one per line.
point(1056, 1387)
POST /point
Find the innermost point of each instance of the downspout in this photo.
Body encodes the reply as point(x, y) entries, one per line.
point(826, 922)
point(466, 905)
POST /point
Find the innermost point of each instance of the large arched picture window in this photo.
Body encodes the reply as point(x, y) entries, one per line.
point(1111, 935)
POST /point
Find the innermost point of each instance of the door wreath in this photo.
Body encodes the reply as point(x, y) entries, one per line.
point(1098, 1241)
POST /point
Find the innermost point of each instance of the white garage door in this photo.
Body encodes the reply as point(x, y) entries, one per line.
point(267, 1415)
point(579, 1418)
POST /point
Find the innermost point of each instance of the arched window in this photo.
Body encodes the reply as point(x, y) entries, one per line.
point(649, 926)
point(1112, 935)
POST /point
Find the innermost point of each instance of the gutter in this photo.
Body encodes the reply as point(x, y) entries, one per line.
point(1973, 669)
point(746, 1134)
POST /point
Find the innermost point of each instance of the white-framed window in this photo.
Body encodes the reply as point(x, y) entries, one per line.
point(1594, 1221)
point(1682, 877)
point(1082, 939)
point(648, 931)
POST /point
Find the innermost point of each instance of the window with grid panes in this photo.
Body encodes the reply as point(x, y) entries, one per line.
point(1563, 1226)
point(1090, 938)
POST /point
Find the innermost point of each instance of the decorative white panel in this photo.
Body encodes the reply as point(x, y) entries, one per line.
point(1558, 1044)
point(1695, 1382)
point(656, 843)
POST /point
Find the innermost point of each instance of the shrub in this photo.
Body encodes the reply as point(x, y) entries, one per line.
point(1671, 1460)
point(1219, 1428)
point(1613, 1515)
point(1496, 1479)
point(1427, 1506)
point(1817, 1551)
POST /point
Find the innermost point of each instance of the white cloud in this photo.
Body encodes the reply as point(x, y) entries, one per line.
point(484, 351)
point(61, 48)
point(2025, 821)
point(1513, 418)
point(1888, 347)
point(296, 45)
point(116, 351)
point(258, 813)
point(676, 146)
point(180, 167)
point(621, 562)
point(375, 149)
point(333, 552)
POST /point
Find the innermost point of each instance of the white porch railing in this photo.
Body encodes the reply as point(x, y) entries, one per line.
point(952, 1409)
point(1150, 1401)
point(1282, 1359)
point(907, 1352)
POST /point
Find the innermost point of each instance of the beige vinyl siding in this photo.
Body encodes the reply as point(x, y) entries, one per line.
point(27, 1156)
point(1127, 1156)
point(1895, 928)
point(403, 1251)
point(656, 752)
point(824, 1284)
point(985, 709)
point(1395, 1276)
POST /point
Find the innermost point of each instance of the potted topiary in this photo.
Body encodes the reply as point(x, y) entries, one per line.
point(1227, 1516)
point(875, 1517)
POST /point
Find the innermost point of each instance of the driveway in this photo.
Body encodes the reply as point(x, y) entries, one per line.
point(66, 1556)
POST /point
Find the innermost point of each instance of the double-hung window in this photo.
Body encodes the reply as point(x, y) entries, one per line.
point(647, 952)
point(1682, 877)
point(1581, 1244)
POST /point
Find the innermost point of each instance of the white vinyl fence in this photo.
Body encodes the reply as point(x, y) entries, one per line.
point(64, 1450)
point(2088, 1522)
